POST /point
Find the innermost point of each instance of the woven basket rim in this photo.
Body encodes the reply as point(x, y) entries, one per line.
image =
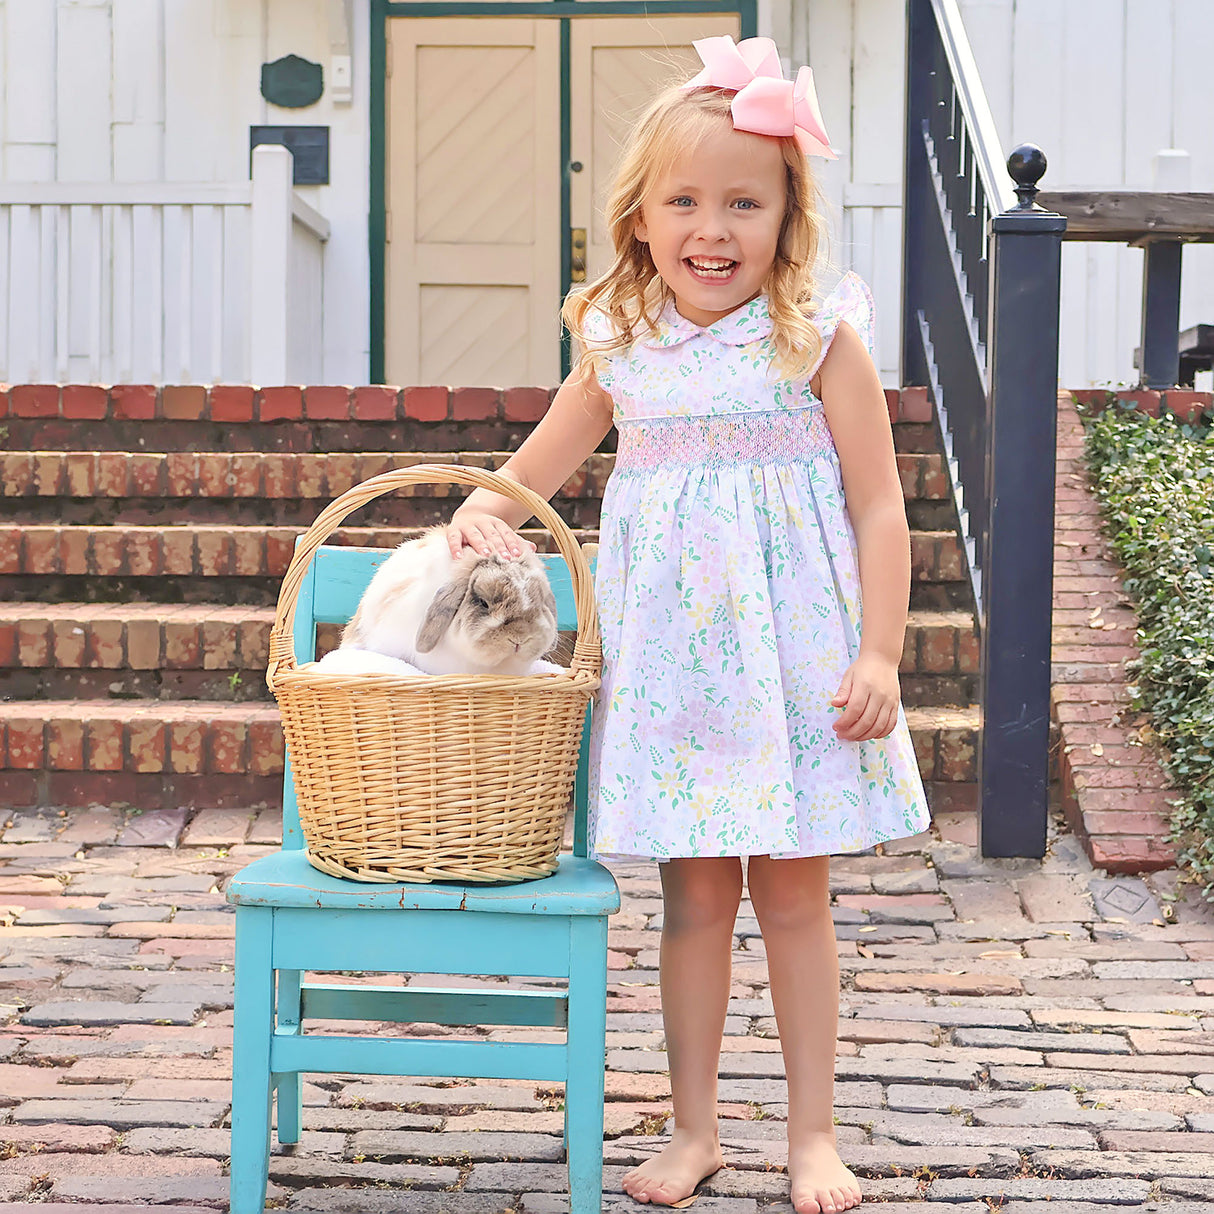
point(549, 680)
point(587, 649)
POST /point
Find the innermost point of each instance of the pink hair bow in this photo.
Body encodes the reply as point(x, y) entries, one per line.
point(766, 103)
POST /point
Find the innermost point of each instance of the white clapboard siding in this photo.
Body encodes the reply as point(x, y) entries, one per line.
point(193, 87)
point(29, 75)
point(856, 50)
point(84, 111)
point(137, 97)
point(3, 88)
point(1102, 88)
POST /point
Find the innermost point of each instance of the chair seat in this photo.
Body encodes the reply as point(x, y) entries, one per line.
point(579, 886)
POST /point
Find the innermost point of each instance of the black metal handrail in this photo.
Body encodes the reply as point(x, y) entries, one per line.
point(981, 267)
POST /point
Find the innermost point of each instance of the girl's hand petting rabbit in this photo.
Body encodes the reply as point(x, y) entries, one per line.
point(485, 534)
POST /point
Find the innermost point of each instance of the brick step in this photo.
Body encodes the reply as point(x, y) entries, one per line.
point(150, 651)
point(189, 550)
point(150, 754)
point(53, 563)
point(242, 418)
point(154, 754)
point(277, 489)
point(235, 417)
point(922, 438)
point(202, 652)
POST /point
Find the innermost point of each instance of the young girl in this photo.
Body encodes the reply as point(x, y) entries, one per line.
point(744, 710)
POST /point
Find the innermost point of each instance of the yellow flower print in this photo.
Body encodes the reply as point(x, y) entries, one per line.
point(767, 799)
point(669, 784)
point(684, 752)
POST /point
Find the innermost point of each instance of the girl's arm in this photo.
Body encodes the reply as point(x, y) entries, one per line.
point(577, 421)
point(854, 401)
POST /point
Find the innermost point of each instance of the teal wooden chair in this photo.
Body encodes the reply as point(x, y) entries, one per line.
point(291, 919)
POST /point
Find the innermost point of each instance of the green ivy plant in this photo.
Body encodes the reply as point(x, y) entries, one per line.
point(1154, 478)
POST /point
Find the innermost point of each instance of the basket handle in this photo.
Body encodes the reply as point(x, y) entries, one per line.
point(587, 650)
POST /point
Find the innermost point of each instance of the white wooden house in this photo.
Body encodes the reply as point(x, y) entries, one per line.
point(140, 241)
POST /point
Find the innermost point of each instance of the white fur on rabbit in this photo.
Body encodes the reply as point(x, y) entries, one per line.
point(468, 615)
point(348, 660)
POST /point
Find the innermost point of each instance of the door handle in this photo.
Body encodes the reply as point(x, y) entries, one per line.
point(577, 254)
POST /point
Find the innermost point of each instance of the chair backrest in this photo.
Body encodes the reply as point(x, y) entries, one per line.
point(329, 594)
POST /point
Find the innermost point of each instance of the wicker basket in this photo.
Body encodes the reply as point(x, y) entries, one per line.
point(434, 777)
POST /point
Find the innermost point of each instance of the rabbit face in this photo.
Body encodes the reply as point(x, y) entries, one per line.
point(472, 615)
point(499, 616)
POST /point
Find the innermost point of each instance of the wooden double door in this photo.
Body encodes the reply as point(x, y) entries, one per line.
point(478, 109)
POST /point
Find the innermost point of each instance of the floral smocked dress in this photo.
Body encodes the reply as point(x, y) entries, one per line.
point(729, 598)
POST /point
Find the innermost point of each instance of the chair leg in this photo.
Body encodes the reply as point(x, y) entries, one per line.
point(254, 1023)
point(290, 1100)
point(584, 1079)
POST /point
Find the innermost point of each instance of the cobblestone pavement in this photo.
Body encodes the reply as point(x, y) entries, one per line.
point(1010, 1031)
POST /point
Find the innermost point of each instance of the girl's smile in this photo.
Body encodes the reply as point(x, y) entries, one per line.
point(712, 269)
point(713, 221)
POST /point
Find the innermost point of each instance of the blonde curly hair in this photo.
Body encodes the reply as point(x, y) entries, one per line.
point(631, 294)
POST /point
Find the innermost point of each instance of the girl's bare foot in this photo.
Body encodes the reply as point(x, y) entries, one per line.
point(821, 1182)
point(675, 1171)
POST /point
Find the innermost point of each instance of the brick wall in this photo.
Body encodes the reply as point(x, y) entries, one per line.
point(1115, 792)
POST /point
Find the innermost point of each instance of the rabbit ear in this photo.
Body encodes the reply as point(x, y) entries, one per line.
point(442, 609)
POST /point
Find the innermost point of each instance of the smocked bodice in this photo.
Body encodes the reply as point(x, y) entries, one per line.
point(687, 370)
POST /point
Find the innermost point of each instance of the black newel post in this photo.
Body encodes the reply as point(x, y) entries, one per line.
point(1025, 252)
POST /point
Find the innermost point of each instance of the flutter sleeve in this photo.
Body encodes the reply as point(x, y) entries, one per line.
point(597, 330)
point(849, 300)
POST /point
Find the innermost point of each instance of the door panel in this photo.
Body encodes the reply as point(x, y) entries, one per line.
point(472, 261)
point(617, 64)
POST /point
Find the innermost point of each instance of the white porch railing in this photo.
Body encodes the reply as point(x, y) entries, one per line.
point(162, 283)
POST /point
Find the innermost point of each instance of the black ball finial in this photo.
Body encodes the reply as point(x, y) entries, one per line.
point(1027, 166)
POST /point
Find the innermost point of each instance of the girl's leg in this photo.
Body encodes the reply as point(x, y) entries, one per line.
point(700, 904)
point(792, 903)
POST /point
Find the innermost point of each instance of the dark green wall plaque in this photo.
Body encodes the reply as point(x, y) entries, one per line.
point(292, 82)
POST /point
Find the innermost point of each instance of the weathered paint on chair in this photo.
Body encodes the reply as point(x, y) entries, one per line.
point(291, 918)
